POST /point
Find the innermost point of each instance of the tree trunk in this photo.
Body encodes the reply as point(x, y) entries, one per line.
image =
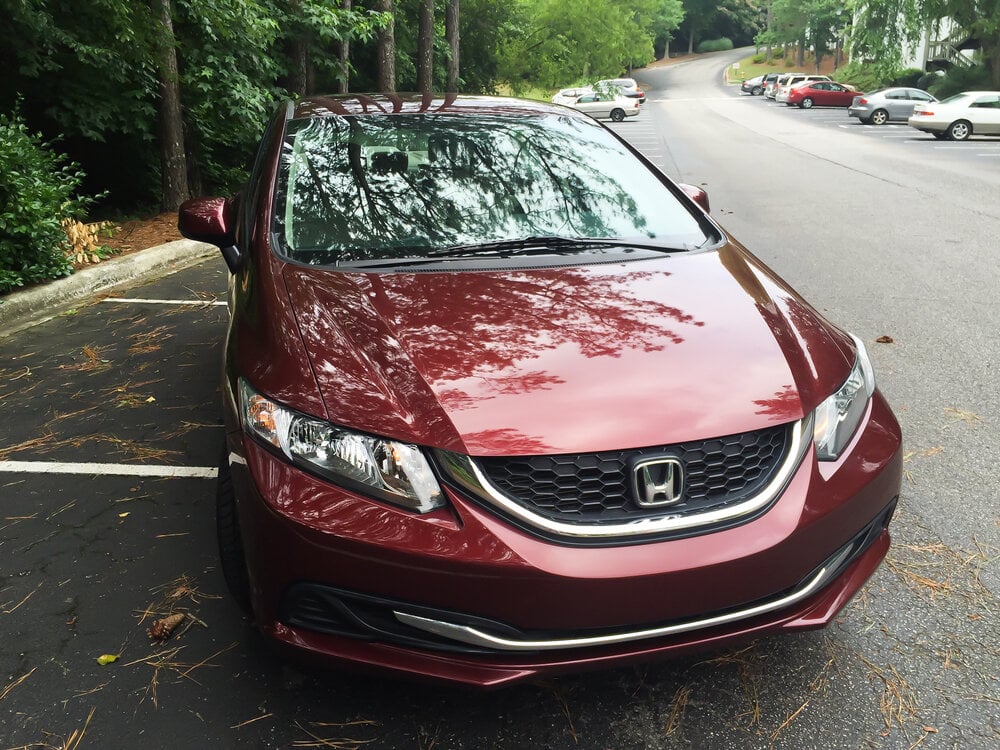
point(425, 47)
point(173, 166)
point(387, 49)
point(691, 41)
point(451, 16)
point(301, 75)
point(344, 57)
point(770, 17)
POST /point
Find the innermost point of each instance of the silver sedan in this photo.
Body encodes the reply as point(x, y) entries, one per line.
point(882, 105)
point(959, 116)
point(607, 104)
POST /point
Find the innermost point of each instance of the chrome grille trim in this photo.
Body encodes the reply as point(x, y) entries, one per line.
point(476, 637)
point(465, 472)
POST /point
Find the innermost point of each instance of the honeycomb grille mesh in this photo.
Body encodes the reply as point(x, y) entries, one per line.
point(596, 488)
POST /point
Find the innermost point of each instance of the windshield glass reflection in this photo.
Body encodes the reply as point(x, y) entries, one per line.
point(399, 186)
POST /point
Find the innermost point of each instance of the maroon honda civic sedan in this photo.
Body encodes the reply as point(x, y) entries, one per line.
point(502, 400)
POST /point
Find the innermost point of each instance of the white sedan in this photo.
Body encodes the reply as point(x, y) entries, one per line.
point(607, 104)
point(569, 96)
point(959, 116)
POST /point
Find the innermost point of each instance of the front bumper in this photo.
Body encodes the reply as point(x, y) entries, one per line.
point(460, 595)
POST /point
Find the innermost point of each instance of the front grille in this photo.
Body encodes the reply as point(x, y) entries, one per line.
point(596, 488)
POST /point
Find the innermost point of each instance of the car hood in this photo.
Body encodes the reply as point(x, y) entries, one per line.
point(563, 360)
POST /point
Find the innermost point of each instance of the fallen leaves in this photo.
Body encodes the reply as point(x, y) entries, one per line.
point(968, 417)
point(164, 627)
point(884, 340)
point(897, 703)
point(15, 683)
point(105, 659)
point(677, 708)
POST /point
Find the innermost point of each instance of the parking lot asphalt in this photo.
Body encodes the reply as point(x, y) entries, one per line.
point(91, 556)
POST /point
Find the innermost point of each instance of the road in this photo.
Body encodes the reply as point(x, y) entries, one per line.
point(882, 241)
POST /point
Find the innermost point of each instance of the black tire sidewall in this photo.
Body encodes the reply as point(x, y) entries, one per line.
point(230, 538)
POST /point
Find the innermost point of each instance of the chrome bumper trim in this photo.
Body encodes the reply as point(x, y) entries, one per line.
point(477, 637)
point(466, 472)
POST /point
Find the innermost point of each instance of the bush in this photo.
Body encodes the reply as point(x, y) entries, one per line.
point(715, 45)
point(908, 77)
point(37, 189)
point(957, 80)
point(861, 75)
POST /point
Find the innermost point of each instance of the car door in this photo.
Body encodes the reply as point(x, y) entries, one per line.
point(984, 112)
point(595, 104)
point(837, 95)
point(895, 102)
point(910, 99)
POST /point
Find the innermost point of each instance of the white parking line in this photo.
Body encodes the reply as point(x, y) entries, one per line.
point(120, 470)
point(140, 301)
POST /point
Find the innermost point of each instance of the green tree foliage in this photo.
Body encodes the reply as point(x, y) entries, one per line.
point(568, 40)
point(807, 24)
point(738, 20)
point(37, 189)
point(884, 28)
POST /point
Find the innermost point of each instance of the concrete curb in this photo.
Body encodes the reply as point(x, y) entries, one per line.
point(23, 309)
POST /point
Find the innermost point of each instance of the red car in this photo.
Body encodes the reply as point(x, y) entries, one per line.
point(821, 94)
point(503, 401)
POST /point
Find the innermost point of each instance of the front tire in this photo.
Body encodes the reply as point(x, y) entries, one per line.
point(960, 130)
point(618, 115)
point(756, 91)
point(879, 117)
point(231, 555)
point(807, 103)
point(940, 136)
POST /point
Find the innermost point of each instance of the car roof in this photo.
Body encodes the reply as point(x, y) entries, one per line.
point(409, 104)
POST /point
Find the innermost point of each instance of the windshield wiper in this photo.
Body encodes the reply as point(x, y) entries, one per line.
point(547, 245)
point(524, 246)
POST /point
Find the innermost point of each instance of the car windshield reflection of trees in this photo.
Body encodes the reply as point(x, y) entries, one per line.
point(401, 186)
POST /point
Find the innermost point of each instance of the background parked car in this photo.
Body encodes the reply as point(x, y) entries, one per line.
point(753, 86)
point(821, 94)
point(781, 95)
point(607, 104)
point(882, 105)
point(959, 116)
point(770, 82)
point(625, 86)
point(568, 96)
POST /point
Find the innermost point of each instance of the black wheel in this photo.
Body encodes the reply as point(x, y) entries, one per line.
point(231, 555)
point(940, 136)
point(879, 117)
point(618, 115)
point(756, 91)
point(960, 130)
point(807, 103)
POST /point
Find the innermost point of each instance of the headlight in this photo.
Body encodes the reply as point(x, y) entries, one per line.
point(838, 417)
point(395, 472)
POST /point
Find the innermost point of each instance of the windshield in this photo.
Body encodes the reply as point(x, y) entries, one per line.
point(354, 188)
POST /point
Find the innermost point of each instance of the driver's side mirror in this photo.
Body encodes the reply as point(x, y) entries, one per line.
point(696, 194)
point(212, 220)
